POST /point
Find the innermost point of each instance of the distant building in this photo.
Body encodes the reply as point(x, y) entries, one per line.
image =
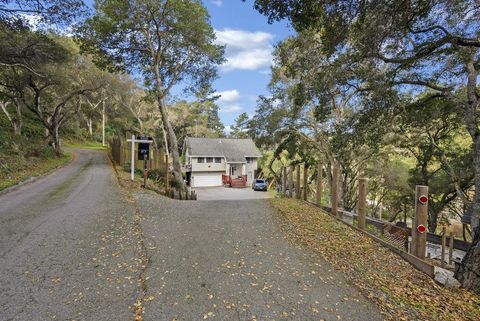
point(220, 161)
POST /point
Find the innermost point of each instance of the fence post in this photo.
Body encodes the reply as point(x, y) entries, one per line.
point(362, 202)
point(305, 181)
point(444, 245)
point(334, 192)
point(155, 158)
point(319, 184)
point(166, 175)
point(419, 238)
point(290, 181)
point(450, 248)
point(297, 186)
point(121, 152)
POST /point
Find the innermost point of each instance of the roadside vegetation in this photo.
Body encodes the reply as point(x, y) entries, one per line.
point(387, 91)
point(59, 89)
point(400, 291)
point(25, 156)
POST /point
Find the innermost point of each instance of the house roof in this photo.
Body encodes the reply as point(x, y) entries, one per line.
point(233, 149)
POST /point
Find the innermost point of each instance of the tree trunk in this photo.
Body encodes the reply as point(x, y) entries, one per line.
point(15, 121)
point(328, 173)
point(468, 272)
point(172, 138)
point(90, 127)
point(53, 131)
point(172, 141)
point(18, 124)
point(278, 180)
point(432, 221)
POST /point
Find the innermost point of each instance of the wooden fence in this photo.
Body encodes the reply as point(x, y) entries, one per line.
point(121, 152)
point(392, 236)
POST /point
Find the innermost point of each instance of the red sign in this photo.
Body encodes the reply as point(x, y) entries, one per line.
point(423, 199)
point(421, 228)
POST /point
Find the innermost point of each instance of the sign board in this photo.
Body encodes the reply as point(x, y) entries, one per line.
point(141, 151)
point(143, 148)
point(421, 228)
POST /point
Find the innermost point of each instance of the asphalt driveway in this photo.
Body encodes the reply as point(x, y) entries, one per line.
point(228, 260)
point(69, 250)
point(224, 193)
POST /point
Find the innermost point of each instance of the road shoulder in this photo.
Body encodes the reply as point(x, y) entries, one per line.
point(399, 290)
point(29, 176)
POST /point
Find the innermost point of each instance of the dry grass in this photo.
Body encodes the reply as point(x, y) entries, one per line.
point(400, 291)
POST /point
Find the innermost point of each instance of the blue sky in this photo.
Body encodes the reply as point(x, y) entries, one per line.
point(249, 41)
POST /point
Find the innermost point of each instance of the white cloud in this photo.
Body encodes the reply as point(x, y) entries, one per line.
point(228, 96)
point(230, 108)
point(35, 21)
point(246, 50)
point(218, 3)
point(228, 129)
point(228, 101)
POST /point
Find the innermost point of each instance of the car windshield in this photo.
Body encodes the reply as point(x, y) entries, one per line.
point(260, 181)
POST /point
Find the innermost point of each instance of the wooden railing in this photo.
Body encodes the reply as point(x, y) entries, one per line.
point(234, 182)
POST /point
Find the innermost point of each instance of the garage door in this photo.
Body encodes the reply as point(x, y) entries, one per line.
point(207, 179)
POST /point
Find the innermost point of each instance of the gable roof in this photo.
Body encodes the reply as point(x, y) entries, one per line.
point(233, 149)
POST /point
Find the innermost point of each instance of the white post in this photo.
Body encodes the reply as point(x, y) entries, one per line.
point(133, 159)
point(103, 124)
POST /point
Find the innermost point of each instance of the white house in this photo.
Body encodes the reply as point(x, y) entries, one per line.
point(220, 161)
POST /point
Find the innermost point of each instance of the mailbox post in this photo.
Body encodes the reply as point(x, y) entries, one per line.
point(143, 154)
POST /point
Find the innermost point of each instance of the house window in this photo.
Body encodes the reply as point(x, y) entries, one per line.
point(218, 159)
point(209, 159)
point(249, 160)
point(201, 160)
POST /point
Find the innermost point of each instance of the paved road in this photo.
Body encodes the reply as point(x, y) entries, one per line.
point(68, 252)
point(223, 193)
point(66, 247)
point(227, 260)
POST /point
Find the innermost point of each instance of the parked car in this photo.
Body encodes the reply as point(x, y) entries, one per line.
point(260, 185)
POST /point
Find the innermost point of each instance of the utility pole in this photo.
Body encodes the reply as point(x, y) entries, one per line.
point(132, 164)
point(103, 123)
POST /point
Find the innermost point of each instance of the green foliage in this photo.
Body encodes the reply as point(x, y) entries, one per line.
point(59, 12)
point(240, 129)
point(25, 156)
point(120, 32)
point(156, 174)
point(196, 119)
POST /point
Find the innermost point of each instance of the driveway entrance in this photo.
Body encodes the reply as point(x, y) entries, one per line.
point(225, 193)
